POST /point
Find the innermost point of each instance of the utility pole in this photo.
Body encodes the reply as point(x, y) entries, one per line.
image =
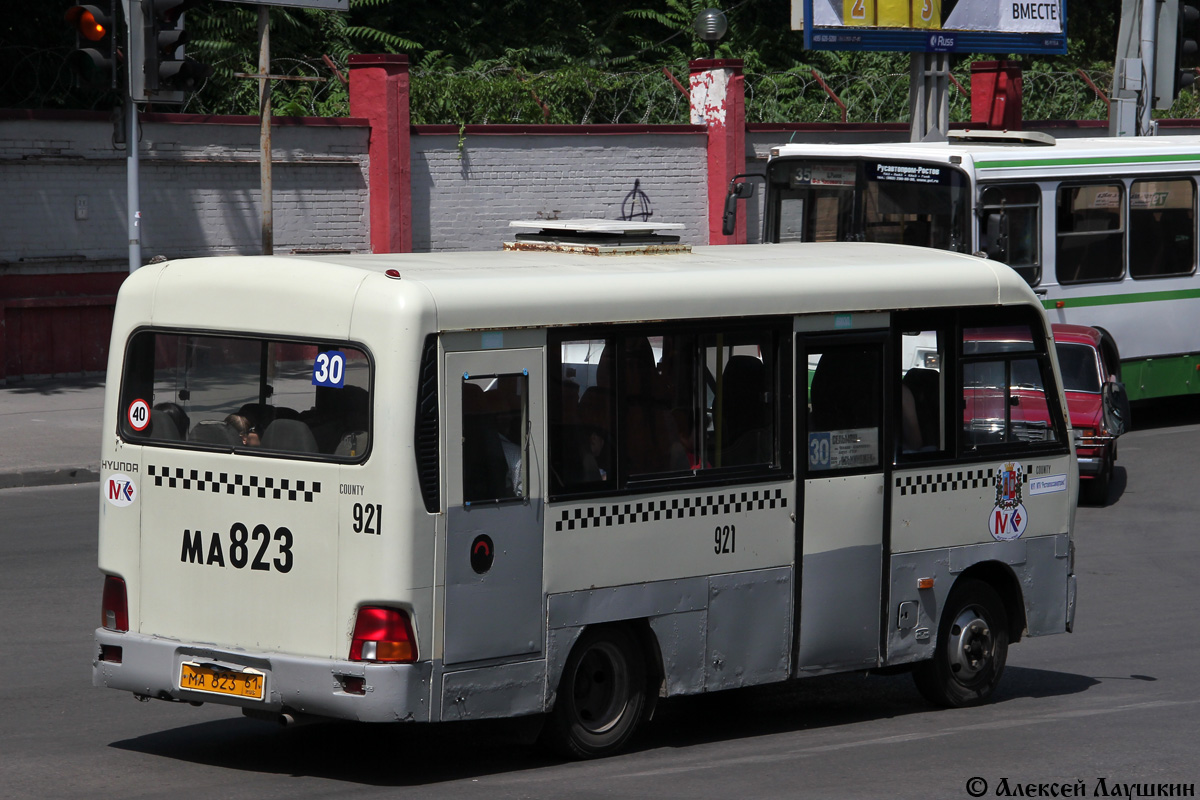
point(264, 78)
point(264, 129)
point(1155, 37)
point(132, 189)
point(929, 96)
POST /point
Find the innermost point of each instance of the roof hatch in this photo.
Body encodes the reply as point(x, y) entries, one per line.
point(1020, 138)
point(597, 237)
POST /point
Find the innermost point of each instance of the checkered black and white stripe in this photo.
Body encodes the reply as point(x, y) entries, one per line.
point(710, 505)
point(936, 482)
point(234, 483)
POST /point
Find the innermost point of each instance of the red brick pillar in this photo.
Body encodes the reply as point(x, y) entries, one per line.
point(379, 94)
point(996, 95)
point(718, 99)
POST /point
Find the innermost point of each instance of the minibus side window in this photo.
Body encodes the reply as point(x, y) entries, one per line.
point(495, 410)
point(1004, 397)
point(582, 414)
point(738, 402)
point(922, 392)
point(845, 408)
point(246, 394)
point(662, 403)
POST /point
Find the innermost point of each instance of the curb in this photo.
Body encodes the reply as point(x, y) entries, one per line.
point(54, 476)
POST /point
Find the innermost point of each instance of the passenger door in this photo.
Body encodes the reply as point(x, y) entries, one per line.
point(842, 445)
point(494, 515)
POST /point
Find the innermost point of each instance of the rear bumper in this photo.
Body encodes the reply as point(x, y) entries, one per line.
point(149, 666)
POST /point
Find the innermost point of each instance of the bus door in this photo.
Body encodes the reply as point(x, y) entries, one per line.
point(841, 532)
point(494, 463)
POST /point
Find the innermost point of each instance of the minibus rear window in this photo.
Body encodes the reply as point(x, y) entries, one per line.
point(243, 394)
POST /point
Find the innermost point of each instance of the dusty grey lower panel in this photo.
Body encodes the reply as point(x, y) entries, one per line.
point(1011, 553)
point(150, 666)
point(559, 642)
point(499, 613)
point(635, 601)
point(839, 609)
point(508, 690)
point(681, 640)
point(713, 632)
point(1045, 581)
point(749, 628)
point(1040, 566)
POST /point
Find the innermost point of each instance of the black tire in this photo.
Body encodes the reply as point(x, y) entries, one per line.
point(971, 649)
point(601, 696)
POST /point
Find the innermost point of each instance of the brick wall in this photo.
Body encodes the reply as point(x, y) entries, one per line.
point(464, 197)
point(64, 207)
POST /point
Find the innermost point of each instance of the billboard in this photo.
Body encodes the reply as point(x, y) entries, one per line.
point(933, 26)
point(328, 5)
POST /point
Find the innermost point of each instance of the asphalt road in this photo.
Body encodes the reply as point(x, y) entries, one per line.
point(1116, 700)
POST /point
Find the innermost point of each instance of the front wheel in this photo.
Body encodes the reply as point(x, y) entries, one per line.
point(971, 649)
point(601, 696)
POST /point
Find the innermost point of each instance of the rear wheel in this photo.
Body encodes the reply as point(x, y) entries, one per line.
point(971, 649)
point(601, 696)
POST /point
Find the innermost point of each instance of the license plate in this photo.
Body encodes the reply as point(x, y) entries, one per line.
point(218, 680)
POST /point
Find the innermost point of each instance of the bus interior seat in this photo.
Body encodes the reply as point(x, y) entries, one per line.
point(336, 412)
point(163, 427)
point(168, 420)
point(292, 435)
point(925, 385)
point(744, 413)
point(214, 431)
point(845, 392)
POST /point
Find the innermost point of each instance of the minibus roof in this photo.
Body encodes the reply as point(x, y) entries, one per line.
point(308, 295)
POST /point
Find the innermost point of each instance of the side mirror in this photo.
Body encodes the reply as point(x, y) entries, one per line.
point(1115, 405)
point(737, 191)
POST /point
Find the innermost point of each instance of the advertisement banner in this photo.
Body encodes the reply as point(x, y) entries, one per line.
point(982, 26)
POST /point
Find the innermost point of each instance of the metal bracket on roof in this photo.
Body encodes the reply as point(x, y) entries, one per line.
point(980, 136)
point(597, 237)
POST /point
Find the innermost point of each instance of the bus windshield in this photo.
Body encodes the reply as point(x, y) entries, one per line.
point(867, 200)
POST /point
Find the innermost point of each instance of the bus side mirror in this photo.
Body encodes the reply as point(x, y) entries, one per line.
point(1115, 405)
point(737, 191)
point(997, 236)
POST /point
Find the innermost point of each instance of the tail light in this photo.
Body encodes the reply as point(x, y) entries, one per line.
point(383, 634)
point(114, 608)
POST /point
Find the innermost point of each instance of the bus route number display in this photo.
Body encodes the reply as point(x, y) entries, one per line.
point(329, 369)
point(845, 449)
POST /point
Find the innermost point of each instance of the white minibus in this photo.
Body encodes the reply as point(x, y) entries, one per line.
point(570, 480)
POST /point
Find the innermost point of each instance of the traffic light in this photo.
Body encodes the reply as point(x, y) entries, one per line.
point(160, 72)
point(1178, 43)
point(95, 45)
point(1188, 34)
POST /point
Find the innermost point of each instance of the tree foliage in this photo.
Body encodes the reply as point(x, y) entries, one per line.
point(567, 61)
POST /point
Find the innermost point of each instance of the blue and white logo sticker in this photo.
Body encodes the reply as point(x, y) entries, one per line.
point(119, 490)
point(329, 369)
